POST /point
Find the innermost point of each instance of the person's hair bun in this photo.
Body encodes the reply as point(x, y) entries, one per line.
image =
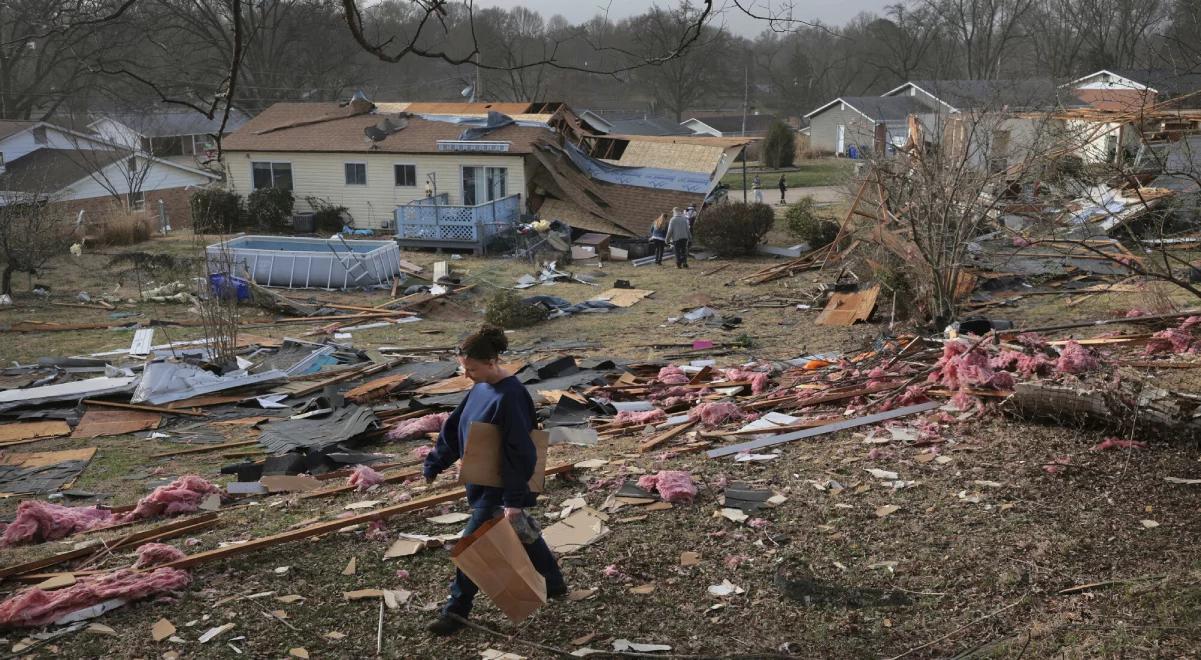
point(485, 344)
point(494, 336)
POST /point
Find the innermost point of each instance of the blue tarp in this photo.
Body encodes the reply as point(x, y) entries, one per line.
point(643, 177)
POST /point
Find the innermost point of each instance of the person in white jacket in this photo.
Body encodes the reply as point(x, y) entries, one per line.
point(679, 234)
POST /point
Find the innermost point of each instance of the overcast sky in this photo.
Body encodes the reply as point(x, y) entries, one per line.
point(830, 12)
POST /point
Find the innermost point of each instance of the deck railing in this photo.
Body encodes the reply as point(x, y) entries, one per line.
point(431, 220)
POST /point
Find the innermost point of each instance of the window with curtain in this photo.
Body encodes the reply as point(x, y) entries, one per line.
point(484, 184)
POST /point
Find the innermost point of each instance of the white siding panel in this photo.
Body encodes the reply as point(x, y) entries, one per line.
point(323, 175)
point(159, 177)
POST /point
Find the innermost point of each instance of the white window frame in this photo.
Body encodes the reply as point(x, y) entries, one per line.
point(416, 178)
point(354, 162)
point(273, 163)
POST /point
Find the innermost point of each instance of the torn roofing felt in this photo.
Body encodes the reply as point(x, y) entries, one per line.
point(317, 432)
point(39, 480)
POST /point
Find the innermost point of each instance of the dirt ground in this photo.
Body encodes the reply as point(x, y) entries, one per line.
point(981, 557)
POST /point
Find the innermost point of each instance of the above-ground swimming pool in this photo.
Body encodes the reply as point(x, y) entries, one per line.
point(307, 262)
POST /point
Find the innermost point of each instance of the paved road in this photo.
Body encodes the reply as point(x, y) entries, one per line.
point(824, 194)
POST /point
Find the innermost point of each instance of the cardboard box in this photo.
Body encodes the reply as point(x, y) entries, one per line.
point(481, 459)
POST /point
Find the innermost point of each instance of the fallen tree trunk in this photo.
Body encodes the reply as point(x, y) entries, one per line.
point(1128, 406)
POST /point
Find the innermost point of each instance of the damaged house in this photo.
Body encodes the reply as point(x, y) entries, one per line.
point(452, 175)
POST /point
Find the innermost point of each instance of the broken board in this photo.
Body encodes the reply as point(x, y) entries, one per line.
point(29, 430)
point(849, 308)
point(97, 423)
point(624, 297)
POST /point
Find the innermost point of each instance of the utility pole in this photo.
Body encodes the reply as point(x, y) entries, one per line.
point(746, 93)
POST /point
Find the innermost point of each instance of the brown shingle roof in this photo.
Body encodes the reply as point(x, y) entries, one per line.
point(12, 127)
point(326, 127)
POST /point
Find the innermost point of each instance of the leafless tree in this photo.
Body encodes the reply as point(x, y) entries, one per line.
point(681, 82)
point(984, 31)
point(32, 234)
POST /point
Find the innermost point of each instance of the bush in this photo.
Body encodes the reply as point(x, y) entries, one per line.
point(779, 147)
point(271, 208)
point(805, 224)
point(327, 217)
point(734, 229)
point(505, 309)
point(120, 227)
point(216, 211)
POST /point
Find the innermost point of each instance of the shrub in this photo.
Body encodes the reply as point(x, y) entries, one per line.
point(734, 229)
point(779, 147)
point(805, 224)
point(270, 208)
point(327, 217)
point(120, 227)
point(505, 309)
point(216, 211)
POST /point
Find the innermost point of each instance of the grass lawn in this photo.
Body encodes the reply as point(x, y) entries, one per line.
point(813, 172)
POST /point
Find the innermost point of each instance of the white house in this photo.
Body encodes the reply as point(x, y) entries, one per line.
point(43, 162)
point(184, 135)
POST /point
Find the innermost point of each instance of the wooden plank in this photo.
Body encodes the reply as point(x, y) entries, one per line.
point(30, 430)
point(389, 478)
point(319, 529)
point(375, 389)
point(843, 394)
point(849, 308)
point(96, 423)
point(663, 437)
point(624, 297)
point(45, 458)
point(161, 532)
point(205, 448)
point(154, 409)
point(822, 430)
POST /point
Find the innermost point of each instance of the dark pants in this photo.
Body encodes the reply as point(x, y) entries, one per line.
point(657, 245)
point(781, 195)
point(463, 590)
point(681, 248)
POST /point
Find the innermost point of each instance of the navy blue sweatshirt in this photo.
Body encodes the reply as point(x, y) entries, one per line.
point(507, 405)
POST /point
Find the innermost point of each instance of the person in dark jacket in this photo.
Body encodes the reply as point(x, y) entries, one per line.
point(500, 399)
point(783, 185)
point(659, 238)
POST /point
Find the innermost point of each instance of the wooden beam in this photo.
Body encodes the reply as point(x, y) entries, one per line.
point(663, 437)
point(327, 527)
point(169, 530)
point(154, 409)
point(205, 448)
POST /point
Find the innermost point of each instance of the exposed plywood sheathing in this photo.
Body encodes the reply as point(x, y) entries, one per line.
point(578, 218)
point(29, 430)
point(97, 423)
point(849, 308)
point(672, 156)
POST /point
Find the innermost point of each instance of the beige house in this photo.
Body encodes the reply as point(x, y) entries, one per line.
point(376, 164)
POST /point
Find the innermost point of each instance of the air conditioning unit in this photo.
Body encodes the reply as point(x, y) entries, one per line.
point(304, 223)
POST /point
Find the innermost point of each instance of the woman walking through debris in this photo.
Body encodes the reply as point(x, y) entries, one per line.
point(500, 399)
point(680, 234)
point(659, 238)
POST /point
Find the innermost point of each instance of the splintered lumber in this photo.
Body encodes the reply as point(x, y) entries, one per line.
point(389, 478)
point(161, 532)
point(321, 528)
point(1129, 405)
point(205, 448)
point(376, 389)
point(663, 437)
point(153, 409)
point(822, 430)
point(850, 307)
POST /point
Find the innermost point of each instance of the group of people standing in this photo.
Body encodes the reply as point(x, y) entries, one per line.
point(675, 231)
point(757, 188)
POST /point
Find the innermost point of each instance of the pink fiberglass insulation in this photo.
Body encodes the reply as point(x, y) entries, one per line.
point(639, 417)
point(672, 375)
point(1118, 443)
point(1032, 340)
point(1136, 313)
point(960, 367)
point(155, 554)
point(412, 428)
point(180, 496)
point(364, 477)
point(673, 485)
point(38, 521)
point(717, 413)
point(1026, 365)
point(1172, 340)
point(1076, 359)
point(758, 379)
point(34, 607)
point(1190, 322)
point(423, 451)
